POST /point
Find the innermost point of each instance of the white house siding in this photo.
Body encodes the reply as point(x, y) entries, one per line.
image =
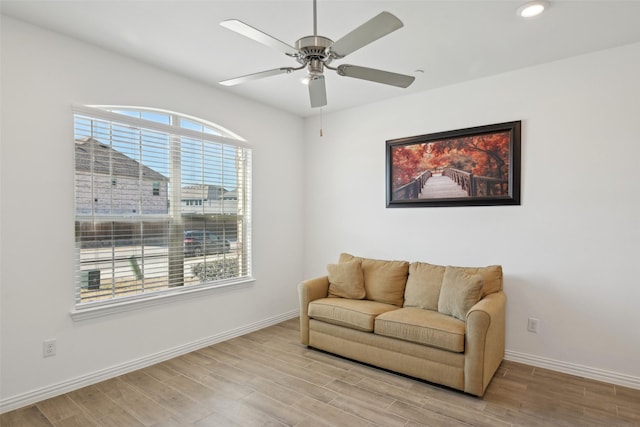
point(210, 207)
point(128, 196)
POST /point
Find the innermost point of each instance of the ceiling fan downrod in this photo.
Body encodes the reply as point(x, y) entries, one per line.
point(314, 50)
point(315, 18)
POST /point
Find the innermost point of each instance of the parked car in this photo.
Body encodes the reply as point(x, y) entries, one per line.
point(198, 242)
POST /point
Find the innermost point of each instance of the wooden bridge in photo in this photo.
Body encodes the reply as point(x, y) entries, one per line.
point(441, 187)
point(451, 183)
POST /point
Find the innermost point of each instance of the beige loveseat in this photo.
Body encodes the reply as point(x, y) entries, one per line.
point(442, 324)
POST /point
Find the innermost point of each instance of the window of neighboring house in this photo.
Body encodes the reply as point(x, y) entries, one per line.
point(131, 246)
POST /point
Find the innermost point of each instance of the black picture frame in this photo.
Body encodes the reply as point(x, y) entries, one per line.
point(477, 166)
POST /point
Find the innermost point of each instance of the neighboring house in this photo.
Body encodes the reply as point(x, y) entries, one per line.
point(208, 199)
point(120, 184)
point(230, 195)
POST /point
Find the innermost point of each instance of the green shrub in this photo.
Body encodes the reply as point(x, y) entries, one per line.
point(216, 270)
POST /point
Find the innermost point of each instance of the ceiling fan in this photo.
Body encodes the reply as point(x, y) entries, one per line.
point(316, 53)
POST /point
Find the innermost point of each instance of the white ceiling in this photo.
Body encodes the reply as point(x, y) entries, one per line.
point(451, 40)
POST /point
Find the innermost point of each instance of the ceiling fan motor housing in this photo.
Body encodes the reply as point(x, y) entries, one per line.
point(314, 51)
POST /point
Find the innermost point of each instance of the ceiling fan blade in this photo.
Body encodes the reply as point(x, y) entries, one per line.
point(378, 76)
point(370, 31)
point(317, 92)
point(257, 35)
point(256, 76)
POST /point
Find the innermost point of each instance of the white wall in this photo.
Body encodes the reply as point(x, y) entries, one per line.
point(43, 74)
point(570, 251)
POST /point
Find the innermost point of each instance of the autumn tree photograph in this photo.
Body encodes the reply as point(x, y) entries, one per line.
point(474, 163)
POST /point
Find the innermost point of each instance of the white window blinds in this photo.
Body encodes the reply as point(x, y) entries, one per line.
point(162, 203)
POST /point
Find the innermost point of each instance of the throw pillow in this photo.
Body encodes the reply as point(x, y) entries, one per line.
point(346, 280)
point(384, 281)
point(423, 286)
point(460, 291)
point(344, 257)
point(492, 276)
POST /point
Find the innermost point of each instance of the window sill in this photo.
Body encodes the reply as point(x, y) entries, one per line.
point(85, 313)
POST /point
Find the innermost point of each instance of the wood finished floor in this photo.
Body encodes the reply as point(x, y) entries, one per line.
point(267, 378)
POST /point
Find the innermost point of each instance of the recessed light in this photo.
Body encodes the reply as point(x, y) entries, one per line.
point(532, 8)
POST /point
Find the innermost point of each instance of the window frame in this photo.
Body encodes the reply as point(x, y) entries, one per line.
point(211, 133)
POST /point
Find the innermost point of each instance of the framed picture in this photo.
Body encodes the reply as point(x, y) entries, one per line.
point(478, 166)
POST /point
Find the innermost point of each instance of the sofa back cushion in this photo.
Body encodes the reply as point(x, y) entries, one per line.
point(346, 280)
point(384, 281)
point(460, 291)
point(425, 281)
point(423, 285)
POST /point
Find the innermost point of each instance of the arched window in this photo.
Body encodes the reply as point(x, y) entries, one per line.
point(163, 205)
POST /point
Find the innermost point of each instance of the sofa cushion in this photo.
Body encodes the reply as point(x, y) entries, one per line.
point(346, 280)
point(423, 285)
point(356, 314)
point(384, 281)
point(423, 327)
point(460, 291)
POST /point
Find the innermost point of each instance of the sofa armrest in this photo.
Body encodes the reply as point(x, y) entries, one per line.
point(484, 342)
point(310, 290)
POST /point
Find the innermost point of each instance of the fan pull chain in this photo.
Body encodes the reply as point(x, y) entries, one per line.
point(320, 121)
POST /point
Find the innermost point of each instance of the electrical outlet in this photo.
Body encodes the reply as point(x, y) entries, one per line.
point(532, 325)
point(49, 348)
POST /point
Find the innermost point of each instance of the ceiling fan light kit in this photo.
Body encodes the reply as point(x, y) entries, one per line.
point(316, 52)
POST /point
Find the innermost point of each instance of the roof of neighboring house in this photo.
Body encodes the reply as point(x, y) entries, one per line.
point(231, 194)
point(120, 164)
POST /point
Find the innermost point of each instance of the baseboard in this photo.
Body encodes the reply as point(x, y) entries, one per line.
point(574, 369)
point(38, 395)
